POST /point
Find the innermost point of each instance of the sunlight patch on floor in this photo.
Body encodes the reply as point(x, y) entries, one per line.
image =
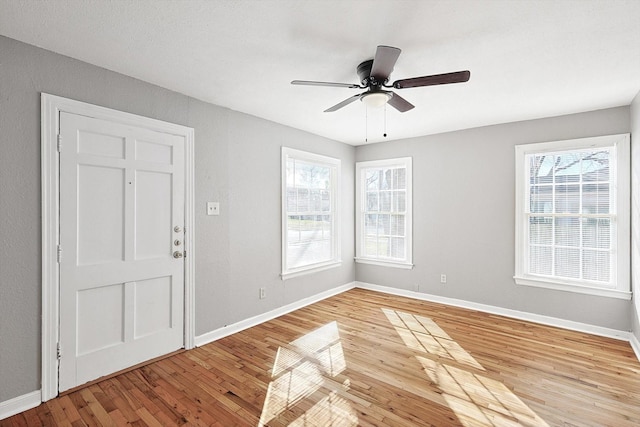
point(475, 399)
point(424, 335)
point(300, 370)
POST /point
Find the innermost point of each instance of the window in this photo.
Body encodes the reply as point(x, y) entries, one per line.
point(572, 215)
point(383, 215)
point(310, 234)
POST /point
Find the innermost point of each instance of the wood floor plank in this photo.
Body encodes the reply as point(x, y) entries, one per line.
point(369, 359)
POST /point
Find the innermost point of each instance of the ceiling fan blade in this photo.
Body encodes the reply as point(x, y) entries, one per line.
point(383, 62)
point(342, 104)
point(400, 104)
point(331, 84)
point(436, 79)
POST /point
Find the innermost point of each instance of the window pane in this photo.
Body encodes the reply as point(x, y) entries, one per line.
point(567, 199)
point(400, 178)
point(303, 200)
point(595, 265)
point(292, 200)
point(383, 247)
point(595, 198)
point(372, 179)
point(385, 182)
point(540, 260)
point(385, 201)
point(397, 247)
point(596, 233)
point(293, 228)
point(595, 166)
point(567, 263)
point(567, 231)
point(326, 201)
point(541, 199)
point(384, 224)
point(371, 246)
point(372, 201)
point(541, 230)
point(567, 167)
point(401, 200)
point(540, 169)
point(399, 224)
point(371, 224)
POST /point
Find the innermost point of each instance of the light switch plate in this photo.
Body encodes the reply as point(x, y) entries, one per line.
point(213, 208)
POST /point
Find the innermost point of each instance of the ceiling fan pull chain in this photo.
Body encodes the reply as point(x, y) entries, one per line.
point(385, 121)
point(366, 124)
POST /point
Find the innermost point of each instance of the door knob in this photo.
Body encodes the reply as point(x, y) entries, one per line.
point(177, 254)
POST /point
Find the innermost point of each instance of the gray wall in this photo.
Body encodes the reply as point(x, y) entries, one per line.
point(635, 213)
point(237, 163)
point(463, 204)
point(463, 224)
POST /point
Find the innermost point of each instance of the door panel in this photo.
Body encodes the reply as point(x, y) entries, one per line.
point(102, 220)
point(121, 290)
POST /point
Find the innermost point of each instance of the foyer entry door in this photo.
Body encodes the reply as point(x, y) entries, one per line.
point(121, 247)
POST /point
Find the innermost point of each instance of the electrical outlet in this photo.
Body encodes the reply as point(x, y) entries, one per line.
point(213, 208)
point(443, 278)
point(263, 293)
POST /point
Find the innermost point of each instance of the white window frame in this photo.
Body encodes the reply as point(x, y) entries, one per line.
point(620, 173)
point(361, 168)
point(334, 164)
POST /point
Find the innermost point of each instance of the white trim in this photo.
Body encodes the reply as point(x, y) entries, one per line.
point(620, 171)
point(514, 314)
point(550, 283)
point(19, 404)
point(384, 263)
point(635, 345)
point(311, 269)
point(216, 334)
point(400, 162)
point(51, 106)
point(334, 165)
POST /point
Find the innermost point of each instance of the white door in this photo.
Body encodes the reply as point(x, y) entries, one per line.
point(121, 241)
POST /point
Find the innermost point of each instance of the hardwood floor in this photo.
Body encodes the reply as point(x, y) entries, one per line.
point(368, 359)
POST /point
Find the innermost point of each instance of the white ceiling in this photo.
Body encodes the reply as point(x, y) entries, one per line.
point(528, 59)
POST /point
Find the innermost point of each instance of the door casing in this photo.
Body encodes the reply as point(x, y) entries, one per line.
point(51, 106)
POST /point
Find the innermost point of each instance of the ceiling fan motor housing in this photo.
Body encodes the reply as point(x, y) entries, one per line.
point(364, 72)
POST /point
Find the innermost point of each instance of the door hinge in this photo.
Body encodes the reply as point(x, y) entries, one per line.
point(59, 143)
point(59, 256)
point(59, 351)
point(185, 254)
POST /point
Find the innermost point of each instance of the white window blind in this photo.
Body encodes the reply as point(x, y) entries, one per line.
point(383, 225)
point(570, 213)
point(310, 230)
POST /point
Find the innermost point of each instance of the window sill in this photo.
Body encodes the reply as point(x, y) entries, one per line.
point(384, 263)
point(309, 270)
point(548, 284)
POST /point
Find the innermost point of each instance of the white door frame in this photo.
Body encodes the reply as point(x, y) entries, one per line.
point(51, 106)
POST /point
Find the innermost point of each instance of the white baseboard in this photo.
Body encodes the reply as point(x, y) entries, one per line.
point(20, 404)
point(256, 320)
point(515, 314)
point(635, 345)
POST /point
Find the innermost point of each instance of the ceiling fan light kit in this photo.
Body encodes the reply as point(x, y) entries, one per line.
point(376, 99)
point(374, 75)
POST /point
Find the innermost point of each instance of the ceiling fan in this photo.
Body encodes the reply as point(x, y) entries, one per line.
point(374, 75)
